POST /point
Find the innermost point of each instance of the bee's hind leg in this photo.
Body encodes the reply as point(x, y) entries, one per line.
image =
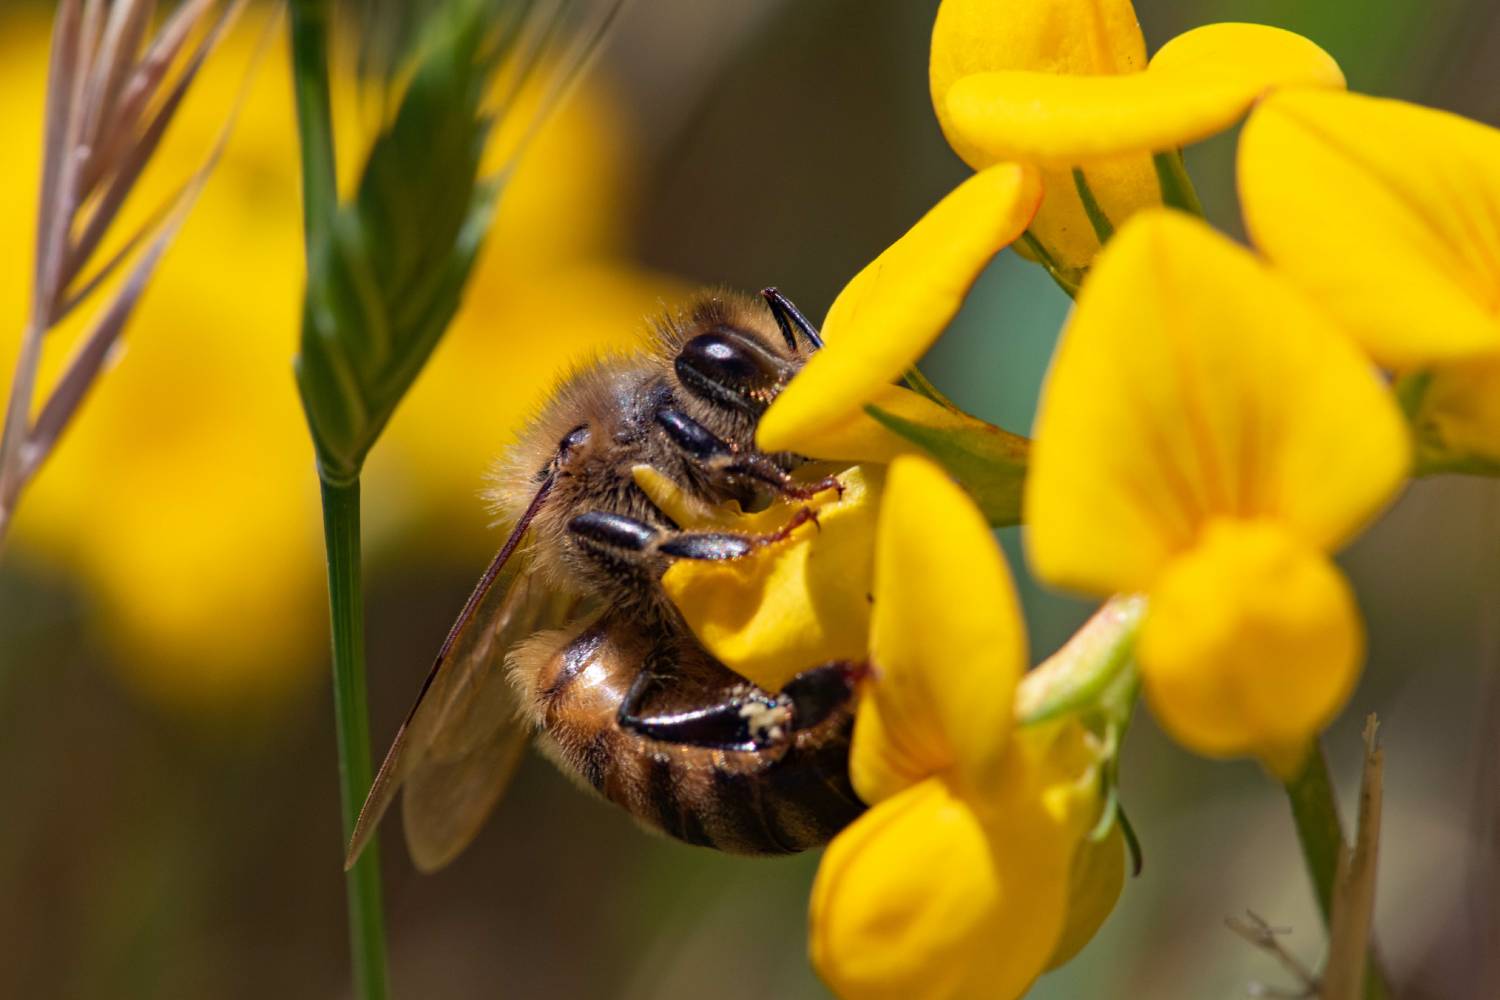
point(748, 718)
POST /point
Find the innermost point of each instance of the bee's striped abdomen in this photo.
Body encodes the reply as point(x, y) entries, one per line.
point(778, 800)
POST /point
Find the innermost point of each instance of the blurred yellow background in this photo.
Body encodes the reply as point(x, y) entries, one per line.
point(170, 818)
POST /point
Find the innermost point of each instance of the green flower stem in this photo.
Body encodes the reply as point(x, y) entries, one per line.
point(352, 721)
point(309, 26)
point(1177, 189)
point(1321, 834)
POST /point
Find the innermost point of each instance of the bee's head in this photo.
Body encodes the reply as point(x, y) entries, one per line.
point(737, 356)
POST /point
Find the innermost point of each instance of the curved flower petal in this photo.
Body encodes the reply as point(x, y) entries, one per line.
point(1072, 37)
point(1191, 383)
point(1047, 36)
point(1198, 85)
point(787, 606)
point(1252, 643)
point(1386, 213)
point(893, 310)
point(919, 899)
point(947, 646)
point(856, 436)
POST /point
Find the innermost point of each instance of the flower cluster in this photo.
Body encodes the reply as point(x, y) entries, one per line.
point(1217, 422)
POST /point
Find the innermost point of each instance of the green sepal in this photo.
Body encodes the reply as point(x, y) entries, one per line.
point(988, 461)
point(1431, 455)
point(1094, 677)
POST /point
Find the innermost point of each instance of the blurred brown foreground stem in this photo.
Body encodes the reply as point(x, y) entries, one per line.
point(111, 94)
point(1344, 879)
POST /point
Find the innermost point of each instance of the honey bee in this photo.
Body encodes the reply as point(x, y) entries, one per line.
point(570, 639)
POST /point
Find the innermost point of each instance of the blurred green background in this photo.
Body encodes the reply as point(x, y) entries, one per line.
point(169, 820)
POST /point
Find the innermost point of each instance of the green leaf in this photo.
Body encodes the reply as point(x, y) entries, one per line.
point(986, 460)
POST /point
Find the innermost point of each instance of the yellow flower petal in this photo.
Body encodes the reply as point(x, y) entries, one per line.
point(946, 646)
point(1072, 37)
point(788, 606)
point(1047, 36)
point(1200, 84)
point(921, 900)
point(857, 436)
point(1251, 645)
point(1386, 213)
point(893, 310)
point(1094, 884)
point(1189, 383)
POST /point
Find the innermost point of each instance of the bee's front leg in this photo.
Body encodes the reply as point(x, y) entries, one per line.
point(720, 459)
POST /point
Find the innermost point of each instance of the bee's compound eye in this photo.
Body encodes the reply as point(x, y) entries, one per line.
point(724, 368)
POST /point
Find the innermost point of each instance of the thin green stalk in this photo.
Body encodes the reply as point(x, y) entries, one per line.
point(352, 722)
point(1103, 228)
point(1176, 185)
point(309, 28)
point(1054, 270)
point(1321, 834)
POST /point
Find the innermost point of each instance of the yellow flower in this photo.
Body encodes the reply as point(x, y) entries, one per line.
point(966, 877)
point(1207, 437)
point(1388, 215)
point(1065, 85)
point(184, 498)
point(790, 605)
point(890, 313)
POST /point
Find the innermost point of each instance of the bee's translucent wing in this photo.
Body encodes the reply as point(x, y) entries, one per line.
point(460, 744)
point(477, 734)
point(462, 740)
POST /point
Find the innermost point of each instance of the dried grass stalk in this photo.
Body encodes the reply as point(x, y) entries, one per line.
point(111, 94)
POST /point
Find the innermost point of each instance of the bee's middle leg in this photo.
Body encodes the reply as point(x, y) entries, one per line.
point(618, 538)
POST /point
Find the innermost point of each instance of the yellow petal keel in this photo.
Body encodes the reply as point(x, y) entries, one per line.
point(1251, 645)
point(1387, 214)
point(921, 900)
point(947, 646)
point(1071, 37)
point(1192, 383)
point(893, 310)
point(792, 604)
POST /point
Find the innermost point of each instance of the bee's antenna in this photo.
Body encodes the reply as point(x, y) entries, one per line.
point(789, 316)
